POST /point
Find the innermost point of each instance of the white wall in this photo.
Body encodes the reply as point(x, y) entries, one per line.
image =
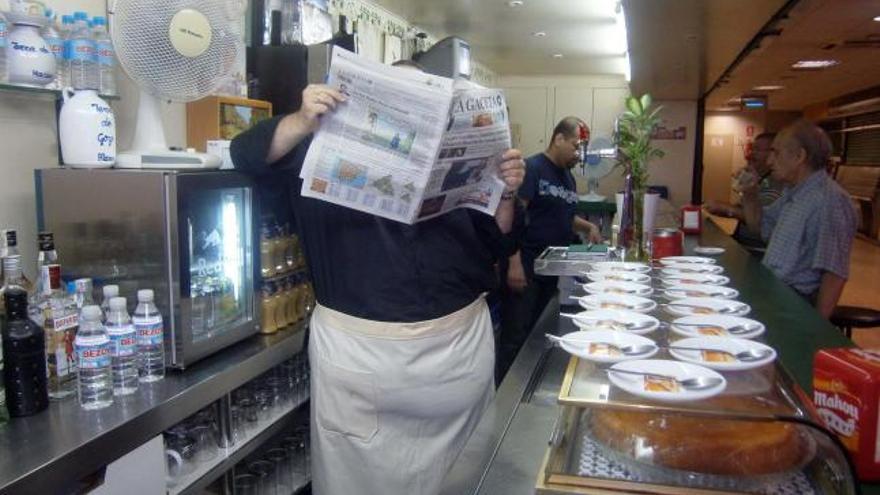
point(30, 141)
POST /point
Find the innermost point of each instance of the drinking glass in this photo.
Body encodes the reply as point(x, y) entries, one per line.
point(265, 472)
point(205, 442)
point(281, 459)
point(246, 484)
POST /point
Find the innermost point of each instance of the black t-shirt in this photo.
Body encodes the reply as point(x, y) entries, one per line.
point(374, 268)
point(552, 197)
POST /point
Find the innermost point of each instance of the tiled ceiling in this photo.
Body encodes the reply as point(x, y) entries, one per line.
point(843, 30)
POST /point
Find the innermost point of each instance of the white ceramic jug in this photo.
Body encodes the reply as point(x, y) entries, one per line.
point(87, 130)
point(29, 59)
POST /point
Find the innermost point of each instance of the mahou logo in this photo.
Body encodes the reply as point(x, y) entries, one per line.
point(829, 405)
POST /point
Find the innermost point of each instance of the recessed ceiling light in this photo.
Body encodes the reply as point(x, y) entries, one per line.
point(814, 64)
point(768, 87)
point(539, 34)
point(557, 55)
point(877, 18)
point(515, 3)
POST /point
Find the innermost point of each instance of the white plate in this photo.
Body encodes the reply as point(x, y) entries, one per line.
point(755, 328)
point(595, 320)
point(725, 344)
point(671, 260)
point(700, 290)
point(594, 345)
point(614, 287)
point(690, 268)
point(621, 266)
point(619, 276)
point(694, 278)
point(635, 384)
point(709, 250)
point(710, 305)
point(617, 301)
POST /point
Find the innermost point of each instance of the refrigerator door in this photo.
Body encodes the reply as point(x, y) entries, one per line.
point(215, 229)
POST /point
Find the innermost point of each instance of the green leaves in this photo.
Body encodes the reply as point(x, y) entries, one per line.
point(633, 137)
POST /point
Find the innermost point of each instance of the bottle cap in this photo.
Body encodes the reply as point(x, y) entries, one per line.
point(91, 312)
point(117, 303)
point(99, 21)
point(145, 295)
point(110, 291)
point(67, 19)
point(81, 16)
point(71, 287)
point(10, 237)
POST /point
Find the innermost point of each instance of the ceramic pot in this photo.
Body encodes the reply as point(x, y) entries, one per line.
point(29, 59)
point(87, 130)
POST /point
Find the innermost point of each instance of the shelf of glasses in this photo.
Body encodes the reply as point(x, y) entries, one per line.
point(206, 472)
point(40, 90)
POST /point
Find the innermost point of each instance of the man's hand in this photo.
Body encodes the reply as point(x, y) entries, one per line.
point(719, 208)
point(516, 275)
point(594, 235)
point(317, 100)
point(512, 170)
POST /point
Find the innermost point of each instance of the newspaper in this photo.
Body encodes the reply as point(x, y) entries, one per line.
point(406, 145)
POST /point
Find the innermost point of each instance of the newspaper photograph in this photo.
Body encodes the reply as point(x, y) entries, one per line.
point(406, 145)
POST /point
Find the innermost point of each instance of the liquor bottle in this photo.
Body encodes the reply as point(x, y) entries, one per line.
point(24, 355)
point(60, 322)
point(9, 239)
point(82, 296)
point(46, 257)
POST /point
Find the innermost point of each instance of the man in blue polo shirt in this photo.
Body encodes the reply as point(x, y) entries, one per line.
point(549, 195)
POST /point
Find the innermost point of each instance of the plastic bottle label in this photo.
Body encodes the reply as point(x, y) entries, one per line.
point(123, 340)
point(93, 352)
point(149, 331)
point(81, 50)
point(105, 53)
point(56, 46)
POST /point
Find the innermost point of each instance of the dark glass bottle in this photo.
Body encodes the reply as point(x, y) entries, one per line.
point(24, 356)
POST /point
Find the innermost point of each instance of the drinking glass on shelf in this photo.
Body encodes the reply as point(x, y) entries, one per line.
point(246, 484)
point(280, 458)
point(267, 483)
point(206, 442)
point(296, 455)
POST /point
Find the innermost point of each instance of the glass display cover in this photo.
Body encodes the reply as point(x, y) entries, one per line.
point(219, 263)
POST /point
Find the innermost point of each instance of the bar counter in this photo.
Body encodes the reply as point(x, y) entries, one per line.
point(505, 453)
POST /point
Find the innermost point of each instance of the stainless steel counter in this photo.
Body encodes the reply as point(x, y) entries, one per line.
point(50, 451)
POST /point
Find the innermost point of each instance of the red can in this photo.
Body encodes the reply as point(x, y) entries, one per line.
point(666, 242)
point(846, 389)
point(691, 219)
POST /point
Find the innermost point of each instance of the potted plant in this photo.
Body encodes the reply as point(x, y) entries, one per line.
point(635, 151)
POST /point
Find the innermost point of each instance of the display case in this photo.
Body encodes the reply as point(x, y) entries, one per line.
point(189, 236)
point(761, 435)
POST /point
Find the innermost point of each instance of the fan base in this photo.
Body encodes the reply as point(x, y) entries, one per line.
point(592, 198)
point(167, 160)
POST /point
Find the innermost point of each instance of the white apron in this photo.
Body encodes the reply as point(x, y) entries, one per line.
point(393, 403)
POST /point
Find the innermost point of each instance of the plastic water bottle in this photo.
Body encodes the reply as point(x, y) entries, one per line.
point(123, 340)
point(95, 387)
point(4, 42)
point(82, 60)
point(55, 43)
point(106, 57)
point(63, 68)
point(150, 336)
point(109, 291)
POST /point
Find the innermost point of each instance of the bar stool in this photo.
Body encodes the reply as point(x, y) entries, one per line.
point(848, 317)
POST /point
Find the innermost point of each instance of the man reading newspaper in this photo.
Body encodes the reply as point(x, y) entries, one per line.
point(401, 347)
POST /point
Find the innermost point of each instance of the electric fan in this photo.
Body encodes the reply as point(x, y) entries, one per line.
point(596, 162)
point(177, 50)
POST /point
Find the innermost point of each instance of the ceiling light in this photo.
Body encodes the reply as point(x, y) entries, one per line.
point(814, 64)
point(877, 18)
point(557, 55)
point(515, 3)
point(539, 34)
point(768, 87)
